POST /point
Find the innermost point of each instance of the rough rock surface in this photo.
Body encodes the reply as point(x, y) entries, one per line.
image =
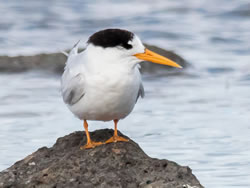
point(55, 62)
point(121, 164)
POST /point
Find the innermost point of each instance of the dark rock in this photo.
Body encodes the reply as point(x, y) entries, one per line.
point(55, 62)
point(121, 164)
point(50, 62)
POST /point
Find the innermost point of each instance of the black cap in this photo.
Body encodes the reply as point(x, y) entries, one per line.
point(112, 38)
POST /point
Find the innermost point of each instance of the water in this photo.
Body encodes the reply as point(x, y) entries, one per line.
point(199, 119)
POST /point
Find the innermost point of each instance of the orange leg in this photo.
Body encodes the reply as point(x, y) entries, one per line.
point(90, 143)
point(115, 137)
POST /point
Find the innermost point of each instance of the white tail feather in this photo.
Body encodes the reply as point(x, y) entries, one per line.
point(74, 50)
point(65, 53)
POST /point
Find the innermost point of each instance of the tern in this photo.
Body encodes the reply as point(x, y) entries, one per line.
point(103, 82)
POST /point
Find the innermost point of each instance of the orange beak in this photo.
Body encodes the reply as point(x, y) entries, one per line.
point(156, 58)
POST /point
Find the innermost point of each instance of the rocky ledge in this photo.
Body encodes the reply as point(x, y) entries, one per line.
point(55, 62)
point(121, 164)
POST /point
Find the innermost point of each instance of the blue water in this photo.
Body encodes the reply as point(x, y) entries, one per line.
point(199, 119)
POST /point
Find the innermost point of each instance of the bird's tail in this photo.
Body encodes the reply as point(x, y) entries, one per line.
point(71, 55)
point(74, 50)
point(65, 53)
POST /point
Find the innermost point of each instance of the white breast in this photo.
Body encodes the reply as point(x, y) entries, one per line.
point(108, 96)
point(110, 87)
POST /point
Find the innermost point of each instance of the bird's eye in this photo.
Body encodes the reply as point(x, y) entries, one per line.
point(127, 46)
point(130, 46)
point(124, 46)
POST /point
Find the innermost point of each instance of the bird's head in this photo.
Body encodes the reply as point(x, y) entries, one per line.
point(120, 44)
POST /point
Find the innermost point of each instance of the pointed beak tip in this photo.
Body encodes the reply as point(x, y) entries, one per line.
point(156, 58)
point(180, 67)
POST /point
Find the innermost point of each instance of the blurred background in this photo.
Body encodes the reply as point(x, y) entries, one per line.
point(199, 118)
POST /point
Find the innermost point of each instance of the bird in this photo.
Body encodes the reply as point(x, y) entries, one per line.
point(103, 82)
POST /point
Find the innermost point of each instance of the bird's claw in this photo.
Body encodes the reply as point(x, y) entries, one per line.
point(90, 145)
point(116, 139)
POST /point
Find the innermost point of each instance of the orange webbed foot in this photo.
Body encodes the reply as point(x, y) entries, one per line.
point(114, 139)
point(91, 145)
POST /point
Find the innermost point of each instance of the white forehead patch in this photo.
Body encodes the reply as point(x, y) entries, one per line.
point(137, 44)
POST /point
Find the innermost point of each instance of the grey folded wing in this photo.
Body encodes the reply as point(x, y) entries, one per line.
point(140, 92)
point(73, 89)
